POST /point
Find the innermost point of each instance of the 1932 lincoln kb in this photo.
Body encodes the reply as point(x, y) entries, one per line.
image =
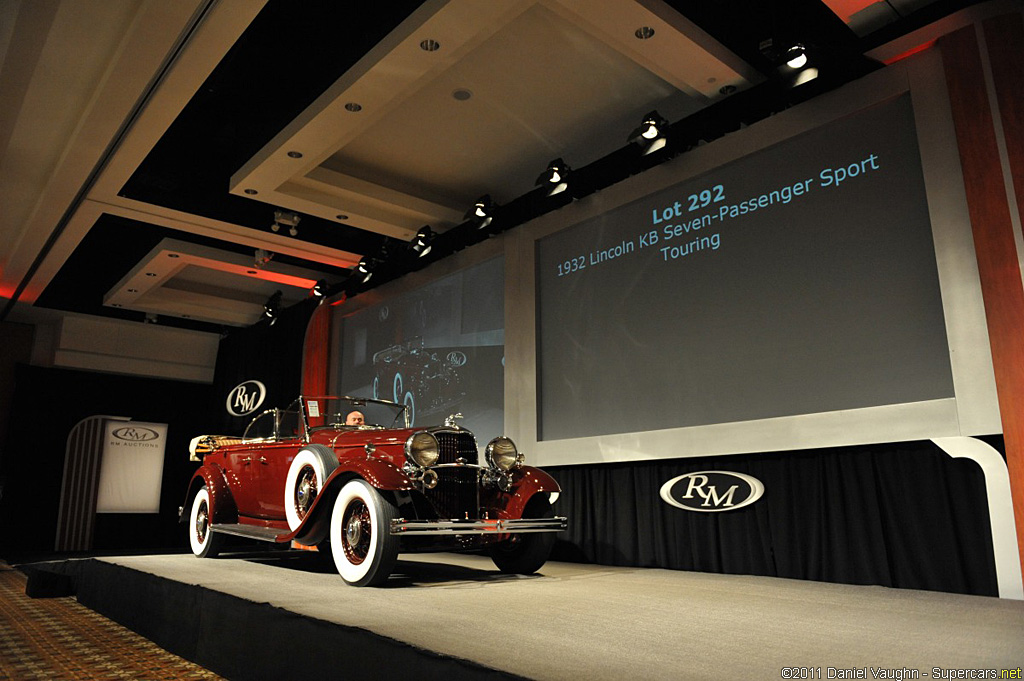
point(351, 477)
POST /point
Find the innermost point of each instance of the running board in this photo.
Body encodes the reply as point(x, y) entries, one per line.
point(249, 531)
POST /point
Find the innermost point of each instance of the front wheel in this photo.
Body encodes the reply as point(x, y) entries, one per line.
point(364, 549)
point(306, 476)
point(204, 541)
point(524, 554)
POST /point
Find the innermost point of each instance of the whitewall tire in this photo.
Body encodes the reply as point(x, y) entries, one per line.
point(204, 541)
point(364, 549)
point(305, 479)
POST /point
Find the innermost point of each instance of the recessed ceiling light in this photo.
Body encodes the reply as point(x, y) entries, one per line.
point(173, 255)
point(727, 89)
point(115, 304)
point(251, 272)
point(133, 290)
point(186, 316)
point(251, 192)
point(462, 94)
point(353, 107)
point(341, 216)
point(150, 274)
point(644, 33)
point(430, 45)
point(294, 154)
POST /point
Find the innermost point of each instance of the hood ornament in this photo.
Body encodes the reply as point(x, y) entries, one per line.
point(449, 422)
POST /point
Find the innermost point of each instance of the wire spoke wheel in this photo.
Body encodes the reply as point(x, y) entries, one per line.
point(204, 541)
point(364, 549)
point(306, 489)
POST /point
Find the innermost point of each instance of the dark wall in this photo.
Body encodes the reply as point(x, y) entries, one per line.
point(271, 354)
point(47, 404)
point(901, 515)
point(15, 349)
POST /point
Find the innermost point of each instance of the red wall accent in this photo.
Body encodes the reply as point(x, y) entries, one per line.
point(1005, 39)
point(989, 211)
point(315, 357)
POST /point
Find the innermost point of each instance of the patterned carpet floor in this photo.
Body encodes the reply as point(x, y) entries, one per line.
point(58, 638)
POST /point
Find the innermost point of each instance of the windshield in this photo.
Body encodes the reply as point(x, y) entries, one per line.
point(324, 412)
point(275, 424)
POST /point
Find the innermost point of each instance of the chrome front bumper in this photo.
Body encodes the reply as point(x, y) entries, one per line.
point(454, 527)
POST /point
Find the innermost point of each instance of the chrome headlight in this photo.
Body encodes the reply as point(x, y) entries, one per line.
point(501, 453)
point(422, 449)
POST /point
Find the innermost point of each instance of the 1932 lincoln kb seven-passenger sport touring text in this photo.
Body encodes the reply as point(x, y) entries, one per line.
point(350, 477)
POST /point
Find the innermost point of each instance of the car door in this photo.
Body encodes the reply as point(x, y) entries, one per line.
point(273, 459)
point(271, 467)
point(241, 476)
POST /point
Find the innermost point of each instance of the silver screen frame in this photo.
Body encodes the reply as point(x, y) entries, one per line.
point(972, 411)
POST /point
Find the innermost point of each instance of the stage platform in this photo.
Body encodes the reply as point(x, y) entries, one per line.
point(285, 615)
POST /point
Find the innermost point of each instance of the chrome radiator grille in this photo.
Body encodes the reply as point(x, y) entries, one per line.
point(454, 445)
point(457, 491)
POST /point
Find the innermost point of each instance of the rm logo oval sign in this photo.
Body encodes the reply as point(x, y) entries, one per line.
point(136, 434)
point(245, 398)
point(711, 491)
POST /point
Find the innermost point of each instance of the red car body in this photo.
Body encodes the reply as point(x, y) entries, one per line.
point(367, 492)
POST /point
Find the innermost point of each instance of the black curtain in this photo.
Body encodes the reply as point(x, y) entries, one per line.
point(47, 404)
point(264, 352)
point(902, 515)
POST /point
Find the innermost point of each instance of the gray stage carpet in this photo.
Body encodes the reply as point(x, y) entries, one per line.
point(592, 622)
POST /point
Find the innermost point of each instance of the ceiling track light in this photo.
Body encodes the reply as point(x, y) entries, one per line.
point(272, 307)
point(796, 56)
point(285, 219)
point(651, 135)
point(421, 243)
point(365, 268)
point(482, 212)
point(320, 290)
point(555, 177)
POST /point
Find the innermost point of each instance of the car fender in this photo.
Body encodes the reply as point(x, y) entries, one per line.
point(527, 482)
point(224, 510)
point(382, 474)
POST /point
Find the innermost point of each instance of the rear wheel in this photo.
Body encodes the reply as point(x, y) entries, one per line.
point(204, 541)
point(524, 554)
point(364, 549)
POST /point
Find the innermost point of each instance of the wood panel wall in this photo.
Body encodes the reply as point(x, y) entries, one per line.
point(965, 53)
point(316, 355)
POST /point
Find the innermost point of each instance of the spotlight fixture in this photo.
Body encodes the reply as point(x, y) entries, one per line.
point(421, 243)
point(555, 177)
point(151, 318)
point(366, 267)
point(285, 219)
point(272, 306)
point(319, 289)
point(482, 211)
point(261, 258)
point(796, 57)
point(650, 136)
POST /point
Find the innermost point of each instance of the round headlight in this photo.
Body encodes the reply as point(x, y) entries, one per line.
point(422, 449)
point(501, 452)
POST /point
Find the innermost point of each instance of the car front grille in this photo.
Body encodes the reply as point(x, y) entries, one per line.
point(454, 445)
point(457, 492)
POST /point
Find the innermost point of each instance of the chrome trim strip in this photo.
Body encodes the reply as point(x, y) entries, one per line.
point(455, 527)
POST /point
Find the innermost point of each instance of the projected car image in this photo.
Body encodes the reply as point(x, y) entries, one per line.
point(417, 378)
point(354, 479)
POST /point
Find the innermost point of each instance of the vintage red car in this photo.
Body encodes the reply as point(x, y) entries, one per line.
point(313, 474)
